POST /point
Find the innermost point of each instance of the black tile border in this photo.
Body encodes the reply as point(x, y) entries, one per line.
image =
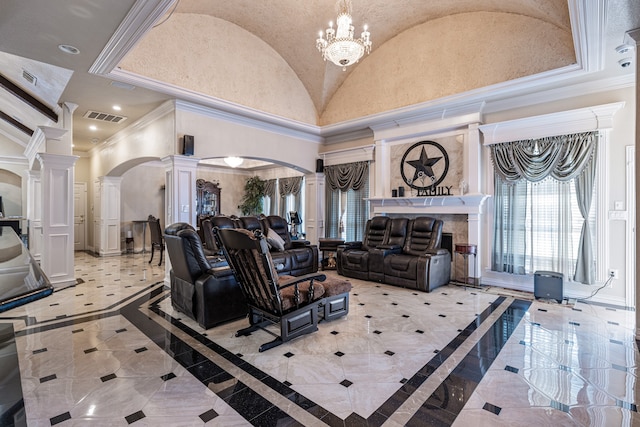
point(12, 399)
point(470, 371)
point(380, 415)
point(236, 394)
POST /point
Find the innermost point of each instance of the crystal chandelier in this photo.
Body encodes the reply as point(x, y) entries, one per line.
point(339, 46)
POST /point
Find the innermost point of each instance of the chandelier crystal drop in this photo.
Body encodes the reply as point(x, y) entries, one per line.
point(339, 46)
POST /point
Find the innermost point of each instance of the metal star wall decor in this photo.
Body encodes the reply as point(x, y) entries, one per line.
point(428, 170)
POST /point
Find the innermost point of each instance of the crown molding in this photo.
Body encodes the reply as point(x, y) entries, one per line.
point(348, 155)
point(13, 160)
point(598, 117)
point(135, 25)
point(209, 106)
point(588, 24)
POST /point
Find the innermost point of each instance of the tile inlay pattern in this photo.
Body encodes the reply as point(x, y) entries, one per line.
point(264, 397)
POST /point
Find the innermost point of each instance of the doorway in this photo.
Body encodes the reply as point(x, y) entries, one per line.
point(79, 215)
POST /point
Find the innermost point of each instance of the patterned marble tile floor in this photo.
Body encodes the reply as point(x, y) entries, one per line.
point(112, 351)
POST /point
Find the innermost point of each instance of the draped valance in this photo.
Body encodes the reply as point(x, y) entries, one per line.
point(290, 185)
point(561, 157)
point(270, 187)
point(347, 176)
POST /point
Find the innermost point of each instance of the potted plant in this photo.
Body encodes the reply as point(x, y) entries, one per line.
point(251, 203)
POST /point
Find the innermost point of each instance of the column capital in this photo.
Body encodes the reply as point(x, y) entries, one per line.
point(70, 106)
point(57, 161)
point(183, 162)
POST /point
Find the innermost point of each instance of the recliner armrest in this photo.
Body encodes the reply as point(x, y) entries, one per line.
point(384, 250)
point(220, 271)
point(385, 247)
point(300, 243)
point(351, 245)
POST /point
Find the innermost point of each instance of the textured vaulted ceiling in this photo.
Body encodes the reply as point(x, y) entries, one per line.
point(291, 27)
point(421, 50)
point(261, 55)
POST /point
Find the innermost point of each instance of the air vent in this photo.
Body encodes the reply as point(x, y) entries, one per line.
point(104, 117)
point(29, 77)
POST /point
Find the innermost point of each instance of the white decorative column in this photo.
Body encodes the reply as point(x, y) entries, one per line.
point(106, 215)
point(473, 172)
point(57, 174)
point(382, 182)
point(180, 195)
point(34, 213)
point(633, 38)
point(314, 209)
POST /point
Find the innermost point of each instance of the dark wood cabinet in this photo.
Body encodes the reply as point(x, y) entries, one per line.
point(207, 199)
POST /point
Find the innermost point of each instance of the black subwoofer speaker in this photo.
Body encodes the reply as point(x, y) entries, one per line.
point(187, 145)
point(548, 285)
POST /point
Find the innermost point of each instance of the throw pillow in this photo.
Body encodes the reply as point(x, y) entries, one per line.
point(275, 240)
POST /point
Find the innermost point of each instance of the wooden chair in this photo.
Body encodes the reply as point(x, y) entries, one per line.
point(157, 241)
point(288, 301)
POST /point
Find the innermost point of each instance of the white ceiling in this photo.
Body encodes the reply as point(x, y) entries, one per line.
point(31, 30)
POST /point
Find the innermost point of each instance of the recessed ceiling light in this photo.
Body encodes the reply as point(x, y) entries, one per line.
point(117, 107)
point(93, 127)
point(67, 48)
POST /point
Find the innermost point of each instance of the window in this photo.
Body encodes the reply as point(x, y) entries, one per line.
point(546, 206)
point(549, 234)
point(347, 209)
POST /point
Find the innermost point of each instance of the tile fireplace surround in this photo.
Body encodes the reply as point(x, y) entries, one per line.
point(461, 216)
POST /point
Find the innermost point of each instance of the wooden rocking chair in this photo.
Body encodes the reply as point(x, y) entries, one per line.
point(290, 302)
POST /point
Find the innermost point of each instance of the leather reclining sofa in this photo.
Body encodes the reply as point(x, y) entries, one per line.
point(296, 258)
point(398, 251)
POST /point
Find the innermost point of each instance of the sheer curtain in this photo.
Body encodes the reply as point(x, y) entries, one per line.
point(352, 178)
point(288, 186)
point(520, 207)
point(270, 192)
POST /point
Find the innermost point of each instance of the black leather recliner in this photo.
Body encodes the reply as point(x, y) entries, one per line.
point(208, 293)
point(422, 264)
point(353, 257)
point(393, 243)
point(299, 257)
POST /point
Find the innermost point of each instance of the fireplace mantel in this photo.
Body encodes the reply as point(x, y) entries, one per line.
point(466, 204)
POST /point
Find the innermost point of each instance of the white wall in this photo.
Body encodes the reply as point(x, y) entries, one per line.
point(214, 137)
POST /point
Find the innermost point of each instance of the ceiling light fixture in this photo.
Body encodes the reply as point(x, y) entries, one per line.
point(234, 162)
point(117, 107)
point(67, 48)
point(339, 46)
point(93, 127)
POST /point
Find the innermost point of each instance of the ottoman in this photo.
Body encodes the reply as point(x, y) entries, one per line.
point(336, 298)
